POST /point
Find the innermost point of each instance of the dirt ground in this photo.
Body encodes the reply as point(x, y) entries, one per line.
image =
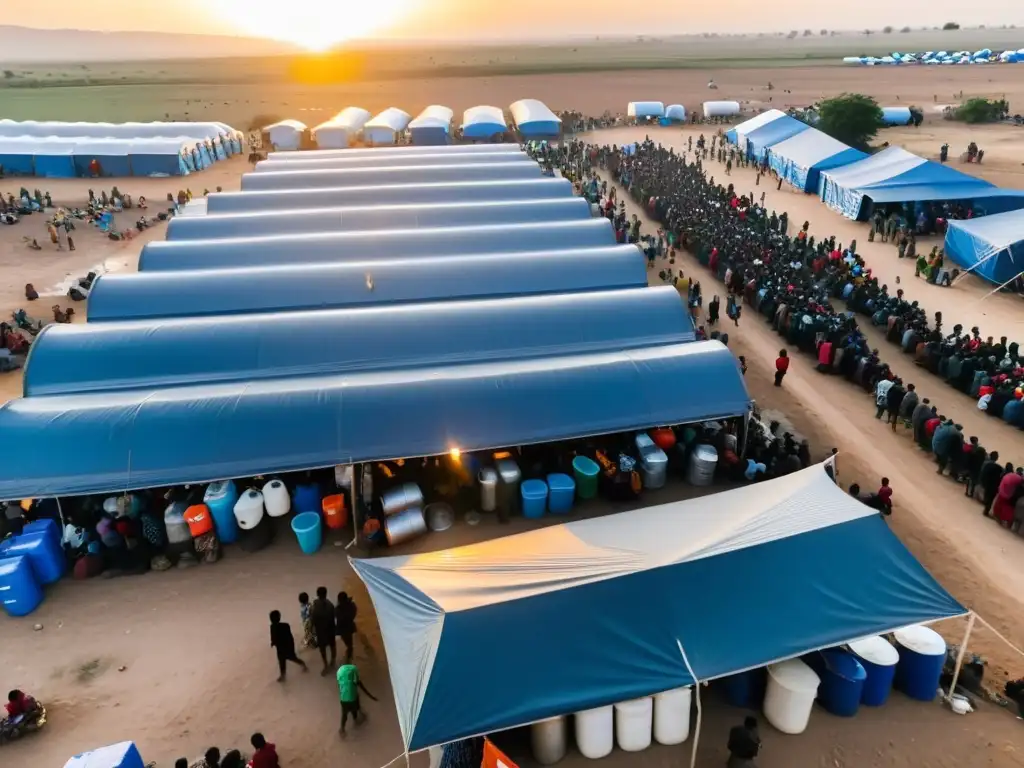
point(197, 669)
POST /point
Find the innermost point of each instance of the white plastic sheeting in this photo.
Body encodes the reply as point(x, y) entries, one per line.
point(676, 112)
point(457, 149)
point(322, 248)
point(163, 129)
point(432, 127)
point(389, 194)
point(747, 127)
point(385, 127)
point(896, 115)
point(721, 108)
point(376, 217)
point(342, 129)
point(483, 122)
point(644, 109)
point(368, 161)
point(286, 135)
point(403, 174)
point(533, 118)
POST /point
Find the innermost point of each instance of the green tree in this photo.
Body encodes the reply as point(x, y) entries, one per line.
point(9, 75)
point(852, 118)
point(887, 30)
point(950, 25)
point(982, 111)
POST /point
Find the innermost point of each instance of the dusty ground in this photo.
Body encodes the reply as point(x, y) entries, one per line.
point(193, 645)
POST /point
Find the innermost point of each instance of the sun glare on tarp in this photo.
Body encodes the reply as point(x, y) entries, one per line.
point(316, 25)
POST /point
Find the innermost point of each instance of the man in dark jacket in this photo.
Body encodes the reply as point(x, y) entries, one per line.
point(989, 475)
point(744, 744)
point(322, 616)
point(919, 417)
point(345, 621)
point(909, 405)
point(894, 399)
point(973, 462)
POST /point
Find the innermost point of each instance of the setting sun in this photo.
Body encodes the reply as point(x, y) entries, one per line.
point(314, 24)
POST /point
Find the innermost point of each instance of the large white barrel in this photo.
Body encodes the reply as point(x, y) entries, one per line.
point(276, 499)
point(249, 509)
point(595, 732)
point(672, 716)
point(792, 688)
point(634, 721)
point(548, 740)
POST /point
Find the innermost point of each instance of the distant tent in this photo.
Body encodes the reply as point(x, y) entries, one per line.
point(645, 109)
point(385, 127)
point(676, 112)
point(800, 159)
point(738, 135)
point(483, 122)
point(721, 109)
point(341, 130)
point(992, 247)
point(286, 134)
point(896, 115)
point(761, 140)
point(534, 120)
point(637, 603)
point(432, 127)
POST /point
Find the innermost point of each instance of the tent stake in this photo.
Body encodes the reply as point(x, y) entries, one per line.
point(960, 656)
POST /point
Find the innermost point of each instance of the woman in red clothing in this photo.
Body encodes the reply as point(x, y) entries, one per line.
point(1006, 497)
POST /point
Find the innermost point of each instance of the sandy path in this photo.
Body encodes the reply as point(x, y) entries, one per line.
point(974, 558)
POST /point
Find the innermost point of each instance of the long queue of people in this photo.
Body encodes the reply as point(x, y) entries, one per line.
point(792, 280)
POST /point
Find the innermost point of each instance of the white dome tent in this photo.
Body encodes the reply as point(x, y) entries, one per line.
point(385, 127)
point(341, 130)
point(483, 122)
point(286, 135)
point(642, 110)
point(676, 112)
point(432, 127)
point(721, 108)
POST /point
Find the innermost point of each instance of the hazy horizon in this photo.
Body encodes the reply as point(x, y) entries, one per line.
point(323, 22)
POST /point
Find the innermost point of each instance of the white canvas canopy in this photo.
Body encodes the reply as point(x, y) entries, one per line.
point(341, 130)
point(385, 127)
point(483, 122)
point(286, 134)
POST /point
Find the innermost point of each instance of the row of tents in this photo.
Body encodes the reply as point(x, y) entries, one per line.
point(434, 126)
point(983, 56)
point(68, 150)
point(432, 303)
point(852, 182)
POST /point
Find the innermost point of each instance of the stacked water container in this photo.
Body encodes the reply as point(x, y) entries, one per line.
point(27, 562)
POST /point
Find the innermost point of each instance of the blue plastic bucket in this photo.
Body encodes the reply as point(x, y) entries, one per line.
point(744, 690)
point(535, 498)
point(307, 498)
point(842, 683)
point(922, 655)
point(48, 526)
point(879, 659)
point(561, 493)
point(309, 531)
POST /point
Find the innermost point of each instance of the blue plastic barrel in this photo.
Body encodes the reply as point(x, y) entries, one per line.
point(922, 655)
point(561, 493)
point(46, 556)
point(879, 659)
point(535, 498)
point(842, 683)
point(309, 531)
point(20, 592)
point(48, 526)
point(745, 689)
point(220, 498)
point(307, 498)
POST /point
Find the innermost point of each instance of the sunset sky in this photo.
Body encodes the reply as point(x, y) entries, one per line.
point(319, 23)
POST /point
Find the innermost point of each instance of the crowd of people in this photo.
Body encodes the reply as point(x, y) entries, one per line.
point(794, 282)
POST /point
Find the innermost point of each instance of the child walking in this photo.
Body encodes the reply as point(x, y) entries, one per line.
point(308, 635)
point(283, 642)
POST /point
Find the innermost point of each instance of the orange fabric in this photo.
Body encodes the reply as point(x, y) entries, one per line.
point(199, 520)
point(335, 513)
point(495, 758)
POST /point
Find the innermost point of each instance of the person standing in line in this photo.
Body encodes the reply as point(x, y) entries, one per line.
point(988, 478)
point(345, 620)
point(744, 744)
point(283, 642)
point(882, 397)
point(349, 685)
point(322, 616)
point(781, 366)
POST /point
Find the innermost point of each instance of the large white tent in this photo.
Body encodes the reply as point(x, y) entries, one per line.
point(432, 127)
point(286, 135)
point(342, 129)
point(385, 127)
point(483, 122)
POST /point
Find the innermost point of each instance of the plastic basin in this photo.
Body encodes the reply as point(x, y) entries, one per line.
point(585, 471)
point(309, 531)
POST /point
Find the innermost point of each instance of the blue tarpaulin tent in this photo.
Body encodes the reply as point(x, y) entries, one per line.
point(738, 134)
point(534, 120)
point(605, 610)
point(992, 247)
point(761, 140)
point(800, 159)
point(897, 176)
point(102, 357)
point(483, 122)
point(144, 438)
point(291, 287)
point(17, 156)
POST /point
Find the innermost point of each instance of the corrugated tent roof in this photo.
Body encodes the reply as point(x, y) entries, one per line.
point(362, 161)
point(349, 246)
point(455, 149)
point(146, 354)
point(116, 441)
point(377, 217)
point(353, 177)
point(389, 194)
point(291, 287)
point(634, 604)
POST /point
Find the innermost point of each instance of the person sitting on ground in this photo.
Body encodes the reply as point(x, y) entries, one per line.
point(23, 711)
point(233, 759)
point(31, 294)
point(744, 744)
point(211, 759)
point(265, 755)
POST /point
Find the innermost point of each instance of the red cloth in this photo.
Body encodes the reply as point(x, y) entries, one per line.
point(885, 494)
point(265, 758)
point(1008, 487)
point(782, 364)
point(930, 426)
point(825, 353)
point(19, 706)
